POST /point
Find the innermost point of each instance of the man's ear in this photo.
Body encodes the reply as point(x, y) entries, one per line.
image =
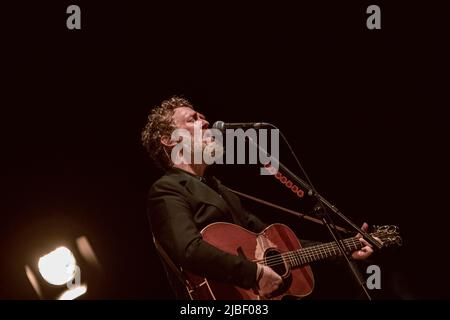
point(165, 140)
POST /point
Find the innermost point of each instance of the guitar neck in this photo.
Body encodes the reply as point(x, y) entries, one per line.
point(320, 252)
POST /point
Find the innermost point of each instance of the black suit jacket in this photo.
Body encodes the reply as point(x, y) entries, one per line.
point(180, 205)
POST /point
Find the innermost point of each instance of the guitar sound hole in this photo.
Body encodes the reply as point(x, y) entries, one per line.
point(273, 259)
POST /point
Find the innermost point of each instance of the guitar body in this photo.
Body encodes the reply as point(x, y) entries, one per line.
point(275, 239)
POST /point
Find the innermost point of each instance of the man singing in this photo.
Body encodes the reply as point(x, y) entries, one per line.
point(186, 199)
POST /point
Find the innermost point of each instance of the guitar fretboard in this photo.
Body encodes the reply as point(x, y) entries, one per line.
point(315, 253)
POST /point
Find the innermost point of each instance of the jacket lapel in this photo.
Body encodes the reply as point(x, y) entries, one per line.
point(234, 203)
point(207, 195)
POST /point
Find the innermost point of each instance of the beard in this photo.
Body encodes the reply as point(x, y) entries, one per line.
point(206, 151)
point(213, 149)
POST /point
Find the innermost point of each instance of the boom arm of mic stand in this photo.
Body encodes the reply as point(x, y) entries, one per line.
point(327, 219)
point(330, 226)
point(375, 244)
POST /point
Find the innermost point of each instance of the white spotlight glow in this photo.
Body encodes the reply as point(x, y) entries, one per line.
point(58, 267)
point(73, 293)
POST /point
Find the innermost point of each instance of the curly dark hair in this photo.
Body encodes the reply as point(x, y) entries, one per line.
point(159, 124)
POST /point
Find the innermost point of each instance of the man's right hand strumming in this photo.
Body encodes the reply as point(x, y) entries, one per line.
point(268, 281)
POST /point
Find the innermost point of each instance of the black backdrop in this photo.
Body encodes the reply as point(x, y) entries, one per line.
point(364, 111)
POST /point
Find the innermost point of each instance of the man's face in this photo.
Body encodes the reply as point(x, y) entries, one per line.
point(201, 141)
point(195, 123)
point(187, 118)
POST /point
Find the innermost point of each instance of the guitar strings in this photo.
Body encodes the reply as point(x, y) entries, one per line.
point(309, 252)
point(312, 252)
point(298, 260)
point(297, 257)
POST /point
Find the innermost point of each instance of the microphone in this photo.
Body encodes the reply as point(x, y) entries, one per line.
point(222, 126)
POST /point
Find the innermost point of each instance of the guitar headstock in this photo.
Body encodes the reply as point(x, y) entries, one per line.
point(389, 235)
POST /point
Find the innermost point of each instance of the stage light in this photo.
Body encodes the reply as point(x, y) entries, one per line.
point(58, 267)
point(73, 293)
point(64, 273)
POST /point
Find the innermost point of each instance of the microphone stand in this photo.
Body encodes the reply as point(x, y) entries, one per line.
point(321, 209)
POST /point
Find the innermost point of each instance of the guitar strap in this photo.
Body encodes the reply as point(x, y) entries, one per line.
point(272, 205)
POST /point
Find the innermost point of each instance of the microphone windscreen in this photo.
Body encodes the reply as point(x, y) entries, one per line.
point(220, 125)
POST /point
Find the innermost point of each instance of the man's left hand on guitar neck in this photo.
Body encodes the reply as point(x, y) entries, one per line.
point(365, 251)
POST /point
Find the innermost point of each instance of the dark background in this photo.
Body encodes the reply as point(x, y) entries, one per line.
point(364, 111)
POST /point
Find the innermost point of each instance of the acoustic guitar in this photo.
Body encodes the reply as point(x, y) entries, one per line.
point(278, 247)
